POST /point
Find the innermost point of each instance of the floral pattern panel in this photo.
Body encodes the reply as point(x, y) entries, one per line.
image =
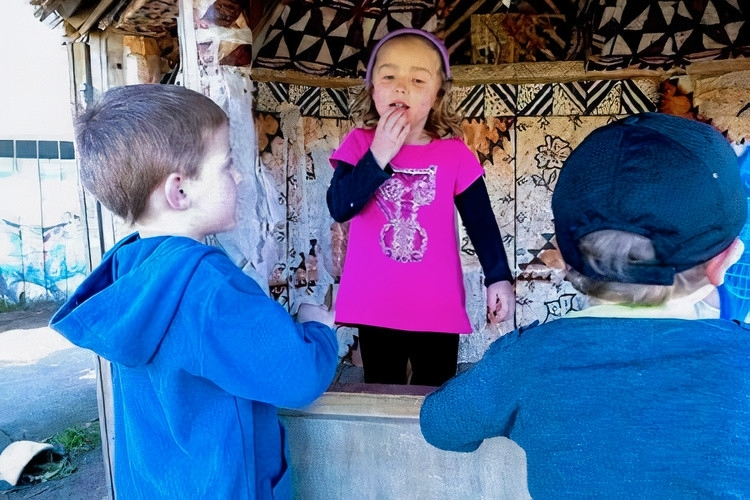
point(543, 145)
point(493, 141)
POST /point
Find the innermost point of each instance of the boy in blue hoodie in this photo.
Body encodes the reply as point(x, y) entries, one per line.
point(201, 357)
point(638, 396)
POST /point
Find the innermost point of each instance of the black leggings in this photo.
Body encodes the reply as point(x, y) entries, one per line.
point(385, 353)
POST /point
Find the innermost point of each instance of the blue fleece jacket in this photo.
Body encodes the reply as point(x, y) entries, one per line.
point(610, 407)
point(201, 359)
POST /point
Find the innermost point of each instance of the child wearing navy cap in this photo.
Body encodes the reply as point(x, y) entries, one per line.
point(635, 395)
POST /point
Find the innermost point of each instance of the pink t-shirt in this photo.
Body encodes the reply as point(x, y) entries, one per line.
point(402, 267)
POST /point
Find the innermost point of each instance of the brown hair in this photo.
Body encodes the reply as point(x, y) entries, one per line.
point(441, 123)
point(129, 141)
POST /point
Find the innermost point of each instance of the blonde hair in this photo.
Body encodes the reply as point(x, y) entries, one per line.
point(442, 122)
point(611, 253)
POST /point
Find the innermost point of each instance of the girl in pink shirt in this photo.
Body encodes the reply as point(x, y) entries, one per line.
point(397, 180)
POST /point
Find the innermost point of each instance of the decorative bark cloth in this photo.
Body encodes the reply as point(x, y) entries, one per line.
point(654, 34)
point(456, 19)
point(332, 38)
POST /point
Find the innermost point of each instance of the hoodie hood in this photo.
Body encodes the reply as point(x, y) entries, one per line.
point(123, 309)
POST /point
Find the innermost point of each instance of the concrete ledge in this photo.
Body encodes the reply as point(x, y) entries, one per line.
point(369, 446)
point(366, 400)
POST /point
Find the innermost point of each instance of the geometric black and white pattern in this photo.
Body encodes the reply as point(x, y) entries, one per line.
point(580, 98)
point(657, 34)
point(535, 99)
point(332, 39)
point(316, 40)
point(470, 102)
point(638, 96)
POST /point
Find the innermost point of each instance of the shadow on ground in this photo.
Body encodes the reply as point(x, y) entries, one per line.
point(55, 401)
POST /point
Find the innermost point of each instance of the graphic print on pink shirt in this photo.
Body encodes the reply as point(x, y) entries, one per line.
point(402, 238)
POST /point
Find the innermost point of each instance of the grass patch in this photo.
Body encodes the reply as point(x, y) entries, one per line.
point(24, 305)
point(8, 306)
point(79, 438)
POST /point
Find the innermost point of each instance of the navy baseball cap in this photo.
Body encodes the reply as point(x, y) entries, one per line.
point(673, 180)
point(437, 42)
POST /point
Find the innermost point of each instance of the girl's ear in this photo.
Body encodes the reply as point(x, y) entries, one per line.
point(718, 265)
point(176, 197)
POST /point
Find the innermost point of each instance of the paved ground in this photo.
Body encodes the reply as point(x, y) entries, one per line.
point(47, 385)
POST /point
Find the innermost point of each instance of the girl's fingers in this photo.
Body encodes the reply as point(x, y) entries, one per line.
point(394, 118)
point(404, 132)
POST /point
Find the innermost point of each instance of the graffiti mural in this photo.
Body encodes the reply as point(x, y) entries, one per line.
point(42, 241)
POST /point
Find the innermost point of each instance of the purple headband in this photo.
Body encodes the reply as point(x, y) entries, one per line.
point(438, 43)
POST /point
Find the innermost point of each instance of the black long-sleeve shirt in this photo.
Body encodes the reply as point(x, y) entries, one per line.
point(352, 187)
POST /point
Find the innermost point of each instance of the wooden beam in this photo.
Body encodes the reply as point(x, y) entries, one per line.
point(95, 15)
point(477, 74)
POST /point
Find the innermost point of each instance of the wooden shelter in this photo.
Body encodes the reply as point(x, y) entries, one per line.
point(532, 79)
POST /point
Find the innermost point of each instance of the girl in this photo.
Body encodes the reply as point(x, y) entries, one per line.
point(397, 179)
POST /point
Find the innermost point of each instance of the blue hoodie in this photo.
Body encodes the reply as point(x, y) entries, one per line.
point(615, 408)
point(201, 359)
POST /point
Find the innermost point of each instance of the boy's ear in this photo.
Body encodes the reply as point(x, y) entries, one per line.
point(176, 197)
point(718, 265)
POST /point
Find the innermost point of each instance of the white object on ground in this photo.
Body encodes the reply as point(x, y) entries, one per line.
point(16, 456)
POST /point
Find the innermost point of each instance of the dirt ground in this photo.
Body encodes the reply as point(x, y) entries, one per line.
point(88, 481)
point(33, 316)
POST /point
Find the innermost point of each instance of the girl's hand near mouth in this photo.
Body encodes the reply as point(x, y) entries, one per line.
point(390, 134)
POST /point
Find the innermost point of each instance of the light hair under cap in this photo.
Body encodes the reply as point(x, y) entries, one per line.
point(673, 180)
